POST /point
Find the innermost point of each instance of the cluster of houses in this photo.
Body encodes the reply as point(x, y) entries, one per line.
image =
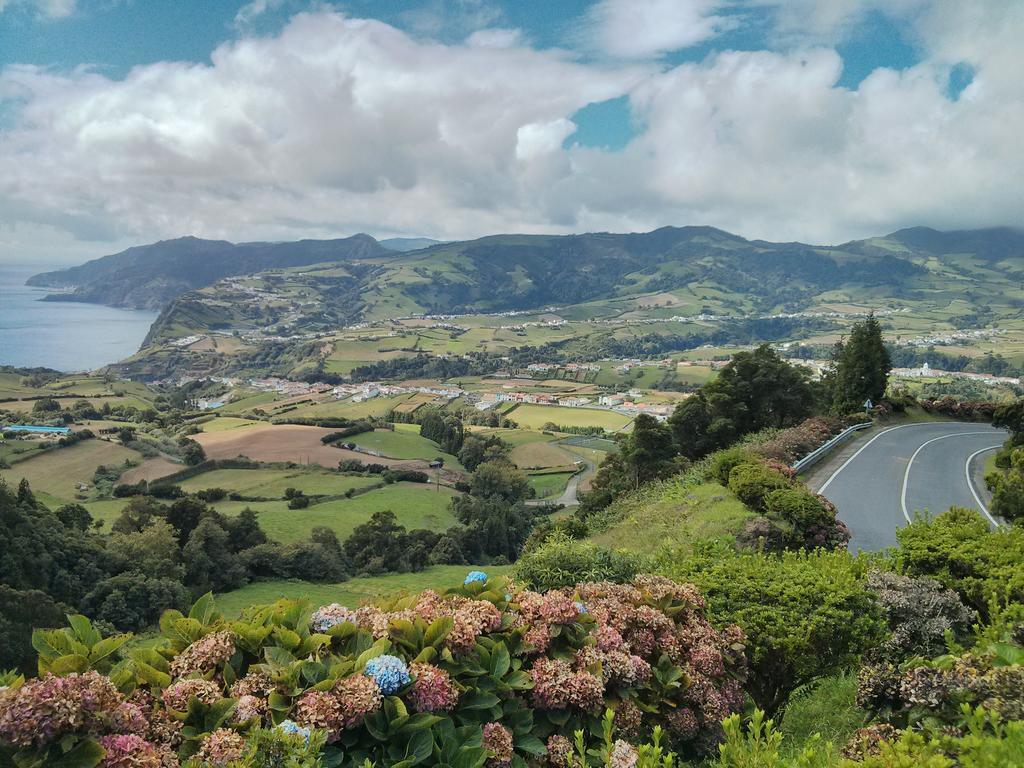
point(369, 390)
point(289, 388)
point(951, 337)
point(629, 365)
point(491, 399)
point(926, 371)
point(569, 367)
point(623, 403)
point(186, 341)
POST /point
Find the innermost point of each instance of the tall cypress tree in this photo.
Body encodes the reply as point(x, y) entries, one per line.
point(862, 366)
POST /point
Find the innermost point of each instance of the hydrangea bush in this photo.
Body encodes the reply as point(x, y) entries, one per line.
point(486, 674)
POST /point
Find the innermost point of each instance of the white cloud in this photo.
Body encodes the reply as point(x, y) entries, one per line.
point(452, 18)
point(637, 29)
point(338, 125)
point(251, 11)
point(50, 9)
point(495, 37)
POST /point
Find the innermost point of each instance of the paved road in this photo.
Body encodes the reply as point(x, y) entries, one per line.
point(908, 468)
point(570, 496)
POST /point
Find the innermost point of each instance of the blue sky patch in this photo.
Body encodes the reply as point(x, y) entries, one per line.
point(603, 125)
point(876, 42)
point(960, 76)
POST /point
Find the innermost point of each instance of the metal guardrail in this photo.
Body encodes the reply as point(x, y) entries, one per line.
point(814, 456)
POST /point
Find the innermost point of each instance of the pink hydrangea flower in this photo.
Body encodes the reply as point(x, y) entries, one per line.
point(178, 694)
point(559, 750)
point(221, 747)
point(556, 685)
point(205, 654)
point(46, 709)
point(129, 751)
point(623, 755)
point(497, 739)
point(432, 689)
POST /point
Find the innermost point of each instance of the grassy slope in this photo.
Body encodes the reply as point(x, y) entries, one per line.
point(350, 593)
point(536, 416)
point(57, 473)
point(400, 445)
point(551, 484)
point(271, 483)
point(669, 514)
point(415, 505)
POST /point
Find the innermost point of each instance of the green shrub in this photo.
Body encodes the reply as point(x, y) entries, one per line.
point(797, 505)
point(753, 482)
point(960, 551)
point(720, 464)
point(805, 614)
point(1008, 488)
point(921, 614)
point(931, 693)
point(985, 742)
point(561, 561)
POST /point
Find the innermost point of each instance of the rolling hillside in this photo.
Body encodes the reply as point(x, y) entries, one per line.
point(268, 301)
point(150, 276)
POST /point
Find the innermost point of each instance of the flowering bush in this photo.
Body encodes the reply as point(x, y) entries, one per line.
point(966, 410)
point(920, 613)
point(486, 674)
point(931, 692)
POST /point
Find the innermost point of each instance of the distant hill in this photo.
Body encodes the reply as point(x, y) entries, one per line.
point(700, 266)
point(150, 276)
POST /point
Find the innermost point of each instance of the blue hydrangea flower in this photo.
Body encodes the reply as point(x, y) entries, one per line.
point(389, 672)
point(475, 576)
point(580, 607)
point(294, 729)
point(329, 616)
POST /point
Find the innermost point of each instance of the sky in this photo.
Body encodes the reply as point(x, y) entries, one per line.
point(128, 121)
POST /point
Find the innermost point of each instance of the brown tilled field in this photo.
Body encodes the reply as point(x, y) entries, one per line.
point(287, 442)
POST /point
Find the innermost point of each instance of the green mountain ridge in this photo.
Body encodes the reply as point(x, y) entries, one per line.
point(150, 276)
point(294, 290)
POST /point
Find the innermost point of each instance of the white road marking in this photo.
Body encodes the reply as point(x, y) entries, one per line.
point(846, 463)
point(970, 482)
point(910, 465)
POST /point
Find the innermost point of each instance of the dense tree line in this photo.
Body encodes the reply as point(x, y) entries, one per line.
point(756, 390)
point(157, 556)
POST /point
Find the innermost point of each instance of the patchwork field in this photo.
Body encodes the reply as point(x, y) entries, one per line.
point(271, 483)
point(59, 472)
point(150, 469)
point(25, 406)
point(225, 423)
point(539, 455)
point(416, 505)
point(353, 592)
point(400, 445)
point(536, 416)
point(13, 451)
point(283, 442)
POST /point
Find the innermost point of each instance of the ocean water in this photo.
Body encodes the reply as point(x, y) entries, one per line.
point(67, 336)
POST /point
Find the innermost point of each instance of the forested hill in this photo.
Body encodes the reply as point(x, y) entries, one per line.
point(512, 272)
point(508, 272)
point(150, 276)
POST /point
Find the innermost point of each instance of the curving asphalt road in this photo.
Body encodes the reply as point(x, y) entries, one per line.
point(904, 469)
